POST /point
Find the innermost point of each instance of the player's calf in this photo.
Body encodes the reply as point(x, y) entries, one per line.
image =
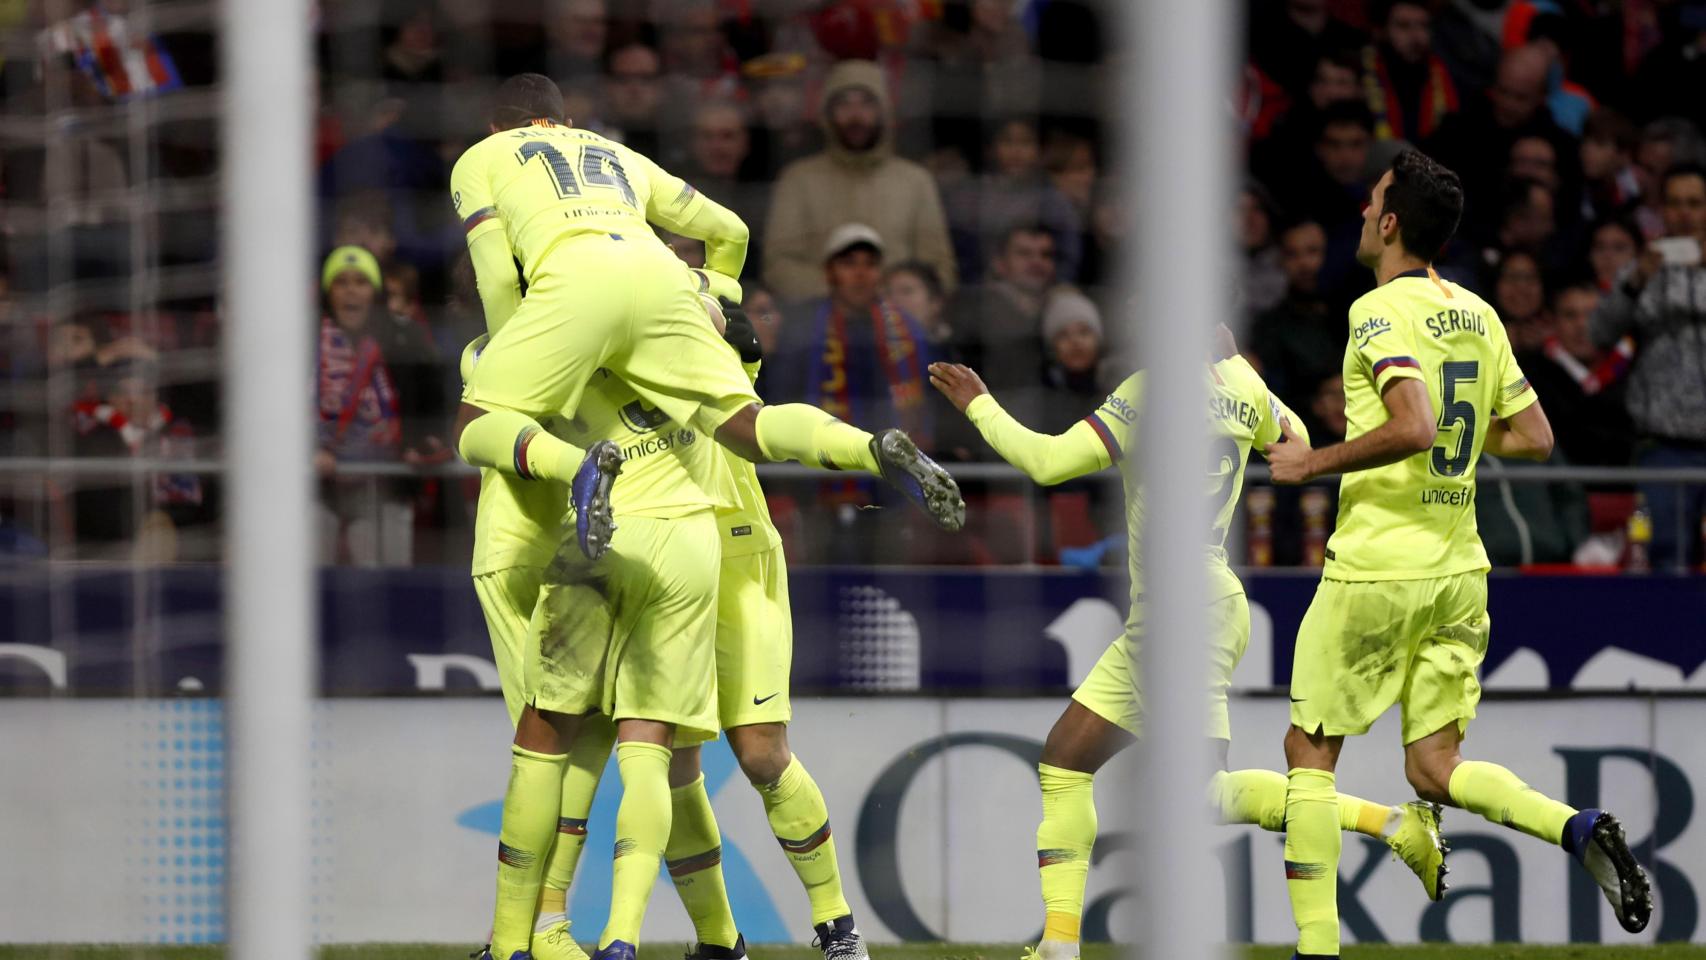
point(762, 751)
point(1083, 740)
point(1429, 764)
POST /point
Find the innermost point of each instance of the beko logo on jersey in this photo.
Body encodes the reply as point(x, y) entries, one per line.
point(1117, 405)
point(1369, 329)
point(661, 443)
point(1452, 321)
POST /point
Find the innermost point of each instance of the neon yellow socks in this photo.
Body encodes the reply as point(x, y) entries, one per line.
point(515, 444)
point(529, 824)
point(1064, 839)
point(801, 432)
point(1370, 819)
point(1258, 797)
point(694, 857)
point(1312, 846)
point(593, 740)
point(1250, 796)
point(642, 832)
point(800, 820)
point(1500, 796)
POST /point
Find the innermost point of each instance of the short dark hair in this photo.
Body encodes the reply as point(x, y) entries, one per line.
point(925, 273)
point(1518, 194)
point(1427, 199)
point(1345, 58)
point(1618, 222)
point(1384, 8)
point(1679, 170)
point(524, 98)
point(1030, 227)
point(1574, 284)
point(1343, 112)
point(999, 126)
point(1298, 224)
point(1605, 123)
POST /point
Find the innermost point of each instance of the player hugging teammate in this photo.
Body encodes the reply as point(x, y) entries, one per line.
point(656, 637)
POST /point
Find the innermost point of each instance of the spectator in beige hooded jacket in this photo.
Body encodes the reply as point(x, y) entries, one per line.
point(856, 178)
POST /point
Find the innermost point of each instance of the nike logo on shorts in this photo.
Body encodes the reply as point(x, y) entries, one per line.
point(759, 702)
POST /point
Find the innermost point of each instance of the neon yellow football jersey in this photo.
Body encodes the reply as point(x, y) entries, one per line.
point(543, 183)
point(1241, 414)
point(1416, 518)
point(668, 470)
point(517, 523)
point(746, 526)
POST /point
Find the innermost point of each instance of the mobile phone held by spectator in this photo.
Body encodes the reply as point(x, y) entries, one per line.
point(1678, 251)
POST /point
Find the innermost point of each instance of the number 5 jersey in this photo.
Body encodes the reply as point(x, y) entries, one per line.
point(1416, 518)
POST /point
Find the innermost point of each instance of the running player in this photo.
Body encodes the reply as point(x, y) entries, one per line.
point(754, 656)
point(1106, 711)
point(1400, 615)
point(604, 293)
point(631, 637)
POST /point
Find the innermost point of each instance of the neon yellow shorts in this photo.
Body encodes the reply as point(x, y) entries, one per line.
point(1364, 646)
point(1111, 691)
point(628, 306)
point(506, 598)
point(633, 635)
point(755, 640)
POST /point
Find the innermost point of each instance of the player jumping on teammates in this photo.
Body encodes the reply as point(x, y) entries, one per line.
point(1105, 714)
point(604, 292)
point(629, 637)
point(1400, 615)
point(753, 647)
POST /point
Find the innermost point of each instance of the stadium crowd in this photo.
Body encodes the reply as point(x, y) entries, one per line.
point(924, 179)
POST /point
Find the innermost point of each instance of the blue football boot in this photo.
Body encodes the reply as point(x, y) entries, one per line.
point(920, 478)
point(589, 494)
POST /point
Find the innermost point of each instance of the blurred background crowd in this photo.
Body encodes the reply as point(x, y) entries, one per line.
point(924, 179)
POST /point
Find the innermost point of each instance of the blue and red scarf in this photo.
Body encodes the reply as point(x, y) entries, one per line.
point(359, 419)
point(889, 391)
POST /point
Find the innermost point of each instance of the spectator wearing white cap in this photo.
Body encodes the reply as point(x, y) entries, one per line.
point(853, 352)
point(859, 356)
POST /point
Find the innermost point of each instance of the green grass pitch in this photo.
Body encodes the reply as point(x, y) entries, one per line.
point(921, 951)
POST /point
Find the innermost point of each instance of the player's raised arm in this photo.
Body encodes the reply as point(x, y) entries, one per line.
point(1045, 458)
point(674, 205)
point(488, 246)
